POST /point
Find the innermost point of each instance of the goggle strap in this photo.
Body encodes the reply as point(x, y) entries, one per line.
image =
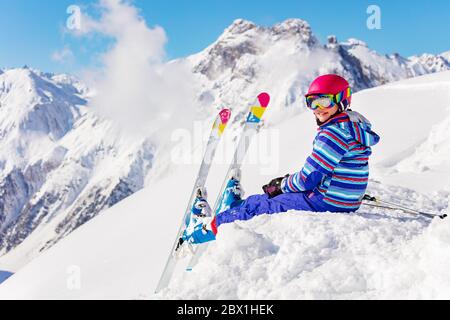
point(344, 95)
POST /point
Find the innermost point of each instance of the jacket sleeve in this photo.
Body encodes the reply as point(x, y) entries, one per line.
point(330, 146)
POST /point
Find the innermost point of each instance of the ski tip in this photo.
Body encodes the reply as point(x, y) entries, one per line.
point(264, 99)
point(225, 115)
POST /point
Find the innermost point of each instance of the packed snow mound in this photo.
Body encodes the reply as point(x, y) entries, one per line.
point(371, 254)
point(322, 256)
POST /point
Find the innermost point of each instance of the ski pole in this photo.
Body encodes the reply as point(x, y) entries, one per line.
point(402, 208)
point(378, 205)
point(394, 206)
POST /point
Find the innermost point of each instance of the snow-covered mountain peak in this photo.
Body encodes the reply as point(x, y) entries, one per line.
point(284, 58)
point(295, 27)
point(352, 42)
point(332, 39)
point(71, 84)
point(298, 28)
point(34, 103)
point(446, 55)
point(238, 53)
point(239, 26)
point(431, 63)
point(18, 96)
point(16, 78)
point(293, 24)
point(240, 39)
point(57, 156)
point(34, 83)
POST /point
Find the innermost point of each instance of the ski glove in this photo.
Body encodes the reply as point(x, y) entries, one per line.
point(273, 189)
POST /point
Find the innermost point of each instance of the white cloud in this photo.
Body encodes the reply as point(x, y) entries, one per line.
point(134, 86)
point(63, 56)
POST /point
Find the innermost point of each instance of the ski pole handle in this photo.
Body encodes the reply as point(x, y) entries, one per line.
point(370, 198)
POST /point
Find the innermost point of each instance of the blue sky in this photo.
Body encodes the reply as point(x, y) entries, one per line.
point(32, 30)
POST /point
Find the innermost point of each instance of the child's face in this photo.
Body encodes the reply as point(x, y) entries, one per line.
point(324, 114)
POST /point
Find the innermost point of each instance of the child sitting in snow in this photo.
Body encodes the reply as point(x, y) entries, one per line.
point(334, 177)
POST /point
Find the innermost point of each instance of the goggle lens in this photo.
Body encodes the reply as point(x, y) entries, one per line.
point(322, 102)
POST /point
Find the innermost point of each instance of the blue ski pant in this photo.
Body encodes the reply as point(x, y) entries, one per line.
point(261, 204)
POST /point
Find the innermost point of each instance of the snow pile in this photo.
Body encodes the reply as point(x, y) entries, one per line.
point(372, 254)
point(326, 256)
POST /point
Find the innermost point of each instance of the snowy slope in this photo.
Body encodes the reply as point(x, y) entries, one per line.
point(420, 109)
point(59, 163)
point(117, 257)
point(371, 254)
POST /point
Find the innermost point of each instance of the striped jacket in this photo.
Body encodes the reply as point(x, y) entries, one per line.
point(338, 167)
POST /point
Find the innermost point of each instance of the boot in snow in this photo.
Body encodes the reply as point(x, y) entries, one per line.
point(201, 228)
point(233, 193)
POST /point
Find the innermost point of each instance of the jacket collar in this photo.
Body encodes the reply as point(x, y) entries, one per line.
point(340, 117)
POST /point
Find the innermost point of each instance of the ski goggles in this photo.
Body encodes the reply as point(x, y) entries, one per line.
point(327, 101)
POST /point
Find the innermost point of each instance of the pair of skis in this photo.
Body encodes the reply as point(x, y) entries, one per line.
point(250, 128)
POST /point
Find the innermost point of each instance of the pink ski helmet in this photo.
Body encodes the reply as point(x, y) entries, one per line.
point(334, 85)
